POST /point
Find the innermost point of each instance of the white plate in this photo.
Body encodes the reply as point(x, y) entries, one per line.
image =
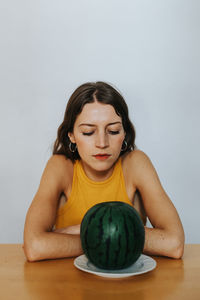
point(144, 264)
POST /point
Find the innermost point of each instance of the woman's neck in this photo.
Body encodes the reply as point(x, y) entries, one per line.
point(97, 175)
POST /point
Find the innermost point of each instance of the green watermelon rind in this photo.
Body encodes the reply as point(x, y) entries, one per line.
point(112, 257)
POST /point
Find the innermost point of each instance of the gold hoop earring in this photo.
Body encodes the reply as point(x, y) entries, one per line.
point(125, 145)
point(72, 149)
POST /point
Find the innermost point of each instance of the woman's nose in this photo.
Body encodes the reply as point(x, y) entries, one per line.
point(102, 140)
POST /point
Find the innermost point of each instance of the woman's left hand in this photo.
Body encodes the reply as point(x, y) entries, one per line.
point(75, 229)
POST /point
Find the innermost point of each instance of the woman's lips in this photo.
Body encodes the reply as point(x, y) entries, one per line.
point(102, 156)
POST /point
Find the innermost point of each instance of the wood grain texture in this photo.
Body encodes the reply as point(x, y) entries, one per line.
point(59, 279)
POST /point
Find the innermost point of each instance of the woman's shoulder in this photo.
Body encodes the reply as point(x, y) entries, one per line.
point(60, 161)
point(135, 163)
point(60, 166)
point(135, 158)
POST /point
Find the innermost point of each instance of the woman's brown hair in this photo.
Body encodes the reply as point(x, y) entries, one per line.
point(89, 93)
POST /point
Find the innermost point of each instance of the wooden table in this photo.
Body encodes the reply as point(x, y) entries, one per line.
point(59, 279)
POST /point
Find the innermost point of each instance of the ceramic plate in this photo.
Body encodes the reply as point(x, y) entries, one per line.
point(143, 265)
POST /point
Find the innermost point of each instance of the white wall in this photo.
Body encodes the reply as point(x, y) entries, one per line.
point(148, 49)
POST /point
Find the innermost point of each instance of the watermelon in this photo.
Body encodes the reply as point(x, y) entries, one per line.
point(112, 235)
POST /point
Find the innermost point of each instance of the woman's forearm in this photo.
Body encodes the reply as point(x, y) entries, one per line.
point(162, 243)
point(52, 245)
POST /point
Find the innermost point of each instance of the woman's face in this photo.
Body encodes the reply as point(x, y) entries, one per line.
point(99, 134)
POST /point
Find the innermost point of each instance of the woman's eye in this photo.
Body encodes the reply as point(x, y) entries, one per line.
point(114, 132)
point(87, 133)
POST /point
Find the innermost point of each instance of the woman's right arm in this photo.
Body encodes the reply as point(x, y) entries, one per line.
point(40, 242)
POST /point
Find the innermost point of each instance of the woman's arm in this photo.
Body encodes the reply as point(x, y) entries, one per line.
point(40, 242)
point(166, 238)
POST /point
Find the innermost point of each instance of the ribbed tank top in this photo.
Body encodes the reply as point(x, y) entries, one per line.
point(85, 193)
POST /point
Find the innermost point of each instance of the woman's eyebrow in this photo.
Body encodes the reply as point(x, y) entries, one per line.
point(86, 124)
point(118, 122)
point(92, 125)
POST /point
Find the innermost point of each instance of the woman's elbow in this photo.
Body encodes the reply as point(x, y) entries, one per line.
point(178, 252)
point(31, 250)
point(178, 247)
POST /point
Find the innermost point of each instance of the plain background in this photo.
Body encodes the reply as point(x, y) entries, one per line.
point(149, 50)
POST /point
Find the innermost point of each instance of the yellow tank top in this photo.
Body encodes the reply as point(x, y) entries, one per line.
point(86, 193)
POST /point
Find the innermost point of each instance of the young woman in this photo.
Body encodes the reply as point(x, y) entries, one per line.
point(95, 160)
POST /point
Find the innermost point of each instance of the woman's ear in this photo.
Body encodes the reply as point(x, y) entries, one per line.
point(71, 137)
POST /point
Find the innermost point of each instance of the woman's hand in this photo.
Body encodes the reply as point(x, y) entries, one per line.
point(75, 229)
